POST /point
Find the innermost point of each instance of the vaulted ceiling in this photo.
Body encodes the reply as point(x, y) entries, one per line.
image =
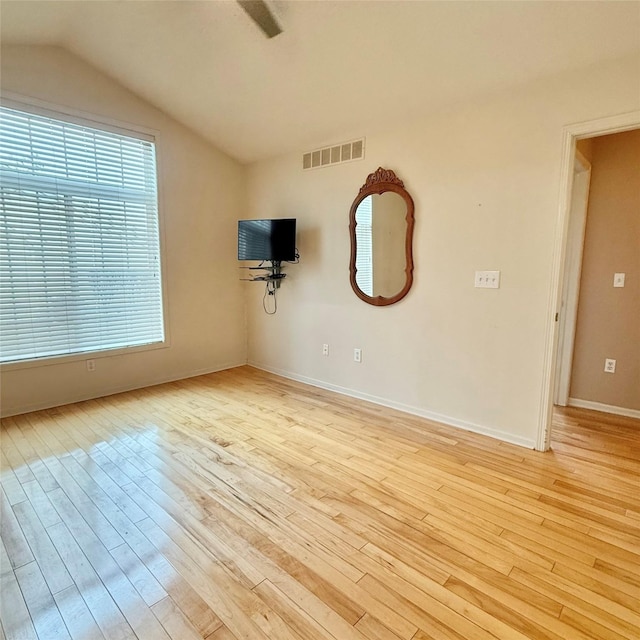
point(339, 68)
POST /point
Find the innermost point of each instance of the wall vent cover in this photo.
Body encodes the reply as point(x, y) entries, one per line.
point(334, 154)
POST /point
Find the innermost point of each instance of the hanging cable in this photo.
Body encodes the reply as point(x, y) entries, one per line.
point(270, 290)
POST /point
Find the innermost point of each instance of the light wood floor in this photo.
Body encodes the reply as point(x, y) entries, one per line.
point(242, 505)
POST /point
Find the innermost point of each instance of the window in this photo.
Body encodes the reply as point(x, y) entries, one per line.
point(79, 239)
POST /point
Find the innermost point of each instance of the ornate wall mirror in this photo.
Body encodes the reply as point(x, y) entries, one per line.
point(381, 229)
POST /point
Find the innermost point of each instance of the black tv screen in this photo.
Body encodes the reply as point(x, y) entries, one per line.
point(267, 239)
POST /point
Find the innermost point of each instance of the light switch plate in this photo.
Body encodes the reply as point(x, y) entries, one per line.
point(487, 280)
point(618, 279)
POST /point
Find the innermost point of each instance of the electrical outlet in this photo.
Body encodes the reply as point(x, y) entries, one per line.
point(487, 280)
point(91, 365)
point(618, 279)
point(357, 355)
point(610, 365)
point(325, 349)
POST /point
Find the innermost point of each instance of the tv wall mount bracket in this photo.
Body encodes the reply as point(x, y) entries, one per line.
point(271, 272)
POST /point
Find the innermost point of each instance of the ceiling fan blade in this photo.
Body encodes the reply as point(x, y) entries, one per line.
point(260, 13)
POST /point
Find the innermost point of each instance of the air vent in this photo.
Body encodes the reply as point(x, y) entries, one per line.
point(335, 154)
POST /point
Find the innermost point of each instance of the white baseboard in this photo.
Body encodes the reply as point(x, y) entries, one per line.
point(606, 408)
point(416, 411)
point(14, 411)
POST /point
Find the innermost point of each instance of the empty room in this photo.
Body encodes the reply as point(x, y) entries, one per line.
point(319, 320)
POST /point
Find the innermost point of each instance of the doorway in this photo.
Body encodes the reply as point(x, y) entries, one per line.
point(568, 231)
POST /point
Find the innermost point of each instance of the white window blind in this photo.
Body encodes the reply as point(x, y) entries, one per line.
point(79, 241)
point(364, 253)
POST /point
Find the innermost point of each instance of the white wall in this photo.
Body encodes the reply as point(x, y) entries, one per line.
point(485, 180)
point(201, 193)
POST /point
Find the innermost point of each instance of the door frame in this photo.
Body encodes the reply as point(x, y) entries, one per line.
point(581, 178)
point(571, 133)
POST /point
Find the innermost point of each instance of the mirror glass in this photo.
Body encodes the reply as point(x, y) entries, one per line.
point(381, 227)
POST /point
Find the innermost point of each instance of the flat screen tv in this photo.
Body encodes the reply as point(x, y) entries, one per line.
point(267, 239)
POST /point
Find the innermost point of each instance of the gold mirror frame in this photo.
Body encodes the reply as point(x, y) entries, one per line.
point(381, 181)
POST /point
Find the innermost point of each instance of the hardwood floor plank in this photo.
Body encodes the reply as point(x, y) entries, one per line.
point(244, 506)
point(174, 622)
point(611, 615)
point(5, 563)
point(41, 503)
point(623, 552)
point(46, 556)
point(222, 634)
point(33, 467)
point(14, 614)
point(140, 577)
point(13, 455)
point(516, 614)
point(374, 630)
point(10, 483)
point(423, 610)
point(77, 617)
point(305, 621)
point(304, 611)
point(17, 548)
point(603, 583)
point(587, 625)
point(42, 608)
point(101, 605)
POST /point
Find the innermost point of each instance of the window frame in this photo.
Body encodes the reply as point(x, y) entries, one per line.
point(104, 123)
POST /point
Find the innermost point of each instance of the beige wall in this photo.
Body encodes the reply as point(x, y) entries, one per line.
point(608, 324)
point(485, 180)
point(201, 199)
